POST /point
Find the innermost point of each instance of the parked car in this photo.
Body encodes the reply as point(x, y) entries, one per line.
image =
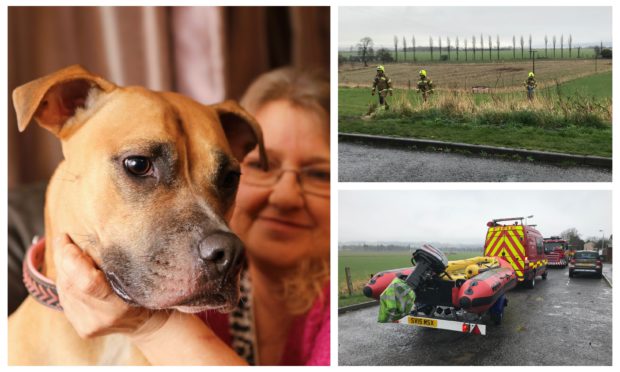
point(586, 262)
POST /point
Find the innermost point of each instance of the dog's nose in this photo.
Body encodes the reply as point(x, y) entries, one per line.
point(221, 251)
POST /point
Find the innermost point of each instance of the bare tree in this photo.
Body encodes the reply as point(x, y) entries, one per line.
point(481, 47)
point(448, 41)
point(522, 43)
point(364, 48)
point(396, 48)
point(430, 42)
point(562, 46)
point(554, 41)
point(529, 43)
point(457, 48)
point(440, 47)
point(497, 45)
point(404, 49)
point(490, 47)
point(473, 45)
point(465, 41)
point(546, 42)
point(413, 46)
point(570, 45)
point(514, 47)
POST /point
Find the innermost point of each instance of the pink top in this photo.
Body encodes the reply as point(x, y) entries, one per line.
point(308, 340)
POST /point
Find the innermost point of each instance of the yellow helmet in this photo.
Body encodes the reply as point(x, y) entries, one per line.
point(531, 74)
point(422, 72)
point(380, 68)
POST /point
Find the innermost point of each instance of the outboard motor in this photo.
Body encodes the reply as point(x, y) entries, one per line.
point(429, 262)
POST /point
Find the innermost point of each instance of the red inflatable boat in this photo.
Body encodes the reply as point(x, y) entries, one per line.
point(379, 282)
point(479, 293)
point(474, 295)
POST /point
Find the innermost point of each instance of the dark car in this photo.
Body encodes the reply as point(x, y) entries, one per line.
point(586, 262)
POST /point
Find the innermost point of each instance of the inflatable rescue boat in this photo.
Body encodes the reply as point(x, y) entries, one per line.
point(473, 284)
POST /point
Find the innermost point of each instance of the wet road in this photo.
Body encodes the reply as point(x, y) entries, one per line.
point(562, 321)
point(364, 163)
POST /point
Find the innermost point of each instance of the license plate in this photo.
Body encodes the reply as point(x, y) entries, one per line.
point(584, 265)
point(423, 322)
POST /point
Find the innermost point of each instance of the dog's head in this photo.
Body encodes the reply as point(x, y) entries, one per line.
point(147, 185)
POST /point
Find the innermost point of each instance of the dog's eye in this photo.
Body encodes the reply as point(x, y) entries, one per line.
point(138, 165)
point(230, 180)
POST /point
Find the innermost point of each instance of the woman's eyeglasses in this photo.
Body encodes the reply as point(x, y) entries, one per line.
point(313, 179)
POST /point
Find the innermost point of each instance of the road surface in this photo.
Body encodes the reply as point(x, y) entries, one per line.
point(364, 163)
point(562, 321)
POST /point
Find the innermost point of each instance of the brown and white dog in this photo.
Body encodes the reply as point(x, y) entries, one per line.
point(146, 188)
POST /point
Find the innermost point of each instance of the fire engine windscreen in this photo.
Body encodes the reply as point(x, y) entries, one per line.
point(550, 247)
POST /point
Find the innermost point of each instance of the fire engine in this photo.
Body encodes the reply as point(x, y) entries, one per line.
point(519, 244)
point(556, 250)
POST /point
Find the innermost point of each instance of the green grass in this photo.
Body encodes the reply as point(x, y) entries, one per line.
point(364, 264)
point(573, 117)
point(597, 86)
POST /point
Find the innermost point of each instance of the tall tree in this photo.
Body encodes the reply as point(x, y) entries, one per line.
point(497, 45)
point(364, 48)
point(562, 46)
point(481, 47)
point(457, 48)
point(448, 46)
point(546, 42)
point(473, 45)
point(570, 45)
point(404, 49)
point(440, 47)
point(490, 47)
point(396, 48)
point(413, 46)
point(529, 43)
point(465, 46)
point(514, 47)
point(522, 44)
point(554, 42)
point(430, 42)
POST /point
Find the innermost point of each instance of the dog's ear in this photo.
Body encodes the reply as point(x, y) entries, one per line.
point(242, 131)
point(54, 99)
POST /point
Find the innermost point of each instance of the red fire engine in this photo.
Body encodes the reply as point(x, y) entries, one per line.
point(556, 250)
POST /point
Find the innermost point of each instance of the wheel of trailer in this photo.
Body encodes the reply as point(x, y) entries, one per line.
point(531, 282)
point(497, 317)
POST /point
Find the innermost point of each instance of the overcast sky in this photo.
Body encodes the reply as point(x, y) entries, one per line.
point(461, 216)
point(586, 24)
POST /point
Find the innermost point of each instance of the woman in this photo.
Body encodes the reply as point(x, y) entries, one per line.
point(282, 216)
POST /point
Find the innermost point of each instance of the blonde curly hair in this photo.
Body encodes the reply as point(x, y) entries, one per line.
point(308, 90)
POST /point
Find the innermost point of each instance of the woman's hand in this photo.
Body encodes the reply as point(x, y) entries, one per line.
point(89, 302)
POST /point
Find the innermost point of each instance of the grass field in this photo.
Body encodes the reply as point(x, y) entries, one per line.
point(504, 55)
point(572, 117)
point(498, 76)
point(363, 264)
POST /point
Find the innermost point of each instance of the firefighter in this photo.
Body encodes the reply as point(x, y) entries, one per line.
point(383, 85)
point(425, 85)
point(530, 85)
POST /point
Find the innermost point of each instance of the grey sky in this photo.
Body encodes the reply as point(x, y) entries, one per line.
point(587, 24)
point(461, 216)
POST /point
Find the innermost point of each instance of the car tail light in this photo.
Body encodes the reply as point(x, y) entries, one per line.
point(465, 328)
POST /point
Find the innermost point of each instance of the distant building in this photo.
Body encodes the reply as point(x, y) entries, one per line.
point(589, 246)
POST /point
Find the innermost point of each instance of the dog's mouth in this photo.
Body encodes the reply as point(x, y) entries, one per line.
point(118, 288)
point(202, 300)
